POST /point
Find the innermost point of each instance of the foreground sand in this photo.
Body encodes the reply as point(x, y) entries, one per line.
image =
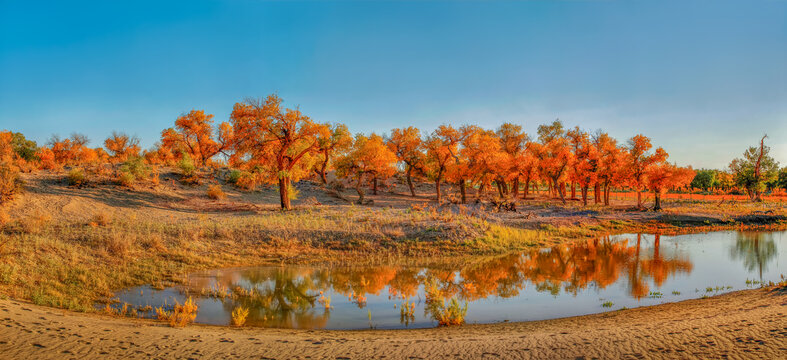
point(744, 324)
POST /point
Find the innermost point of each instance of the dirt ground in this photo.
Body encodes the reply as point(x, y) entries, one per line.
point(48, 193)
point(740, 325)
point(747, 324)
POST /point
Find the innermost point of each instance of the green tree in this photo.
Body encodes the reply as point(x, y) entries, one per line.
point(25, 149)
point(705, 179)
point(782, 180)
point(755, 169)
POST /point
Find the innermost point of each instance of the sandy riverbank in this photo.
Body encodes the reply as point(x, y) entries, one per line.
point(743, 324)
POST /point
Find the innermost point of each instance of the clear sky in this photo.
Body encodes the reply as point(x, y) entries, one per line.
point(703, 79)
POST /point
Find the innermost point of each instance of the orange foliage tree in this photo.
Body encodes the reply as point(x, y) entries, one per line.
point(610, 162)
point(585, 166)
point(485, 159)
point(194, 135)
point(279, 142)
point(369, 157)
point(513, 143)
point(406, 143)
point(72, 151)
point(121, 146)
point(554, 155)
point(663, 176)
point(639, 161)
point(441, 152)
point(338, 141)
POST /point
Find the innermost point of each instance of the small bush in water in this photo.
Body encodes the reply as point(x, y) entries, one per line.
point(181, 315)
point(239, 315)
point(448, 314)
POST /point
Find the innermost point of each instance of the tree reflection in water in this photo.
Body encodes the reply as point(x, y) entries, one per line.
point(755, 249)
point(287, 296)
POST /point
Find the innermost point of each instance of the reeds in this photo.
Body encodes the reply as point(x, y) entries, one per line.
point(239, 315)
point(181, 315)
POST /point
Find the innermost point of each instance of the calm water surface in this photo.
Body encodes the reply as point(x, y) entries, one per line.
point(567, 280)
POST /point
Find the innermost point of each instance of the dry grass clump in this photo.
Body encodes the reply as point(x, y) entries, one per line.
point(153, 242)
point(35, 224)
point(4, 218)
point(101, 219)
point(116, 244)
point(10, 184)
point(76, 177)
point(126, 310)
point(181, 315)
point(239, 315)
point(215, 192)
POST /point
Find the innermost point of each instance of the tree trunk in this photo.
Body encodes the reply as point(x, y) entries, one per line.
point(596, 194)
point(410, 180)
point(573, 190)
point(561, 191)
point(359, 189)
point(639, 199)
point(463, 191)
point(500, 189)
point(585, 195)
point(322, 172)
point(657, 197)
point(527, 185)
point(284, 185)
point(374, 185)
point(515, 192)
point(437, 188)
point(606, 194)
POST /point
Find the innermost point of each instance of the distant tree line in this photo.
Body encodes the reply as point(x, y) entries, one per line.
point(265, 142)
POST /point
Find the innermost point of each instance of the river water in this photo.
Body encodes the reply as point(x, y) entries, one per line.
point(587, 277)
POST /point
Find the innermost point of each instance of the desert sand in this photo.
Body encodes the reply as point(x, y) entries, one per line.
point(739, 325)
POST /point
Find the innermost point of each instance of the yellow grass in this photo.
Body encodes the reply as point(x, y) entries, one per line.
point(239, 315)
point(181, 315)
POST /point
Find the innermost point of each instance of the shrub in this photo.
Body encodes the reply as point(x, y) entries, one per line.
point(134, 170)
point(215, 192)
point(239, 315)
point(186, 165)
point(233, 176)
point(447, 315)
point(292, 192)
point(77, 177)
point(10, 185)
point(246, 181)
point(126, 179)
point(180, 316)
point(193, 180)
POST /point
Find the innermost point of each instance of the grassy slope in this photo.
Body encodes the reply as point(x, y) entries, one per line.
point(69, 247)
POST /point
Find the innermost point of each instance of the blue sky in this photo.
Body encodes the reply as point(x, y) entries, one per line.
point(703, 79)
